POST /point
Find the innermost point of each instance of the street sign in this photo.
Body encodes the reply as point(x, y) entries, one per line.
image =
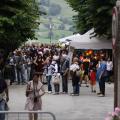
point(114, 26)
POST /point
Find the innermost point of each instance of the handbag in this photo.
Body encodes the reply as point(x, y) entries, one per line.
point(55, 79)
point(27, 92)
point(105, 73)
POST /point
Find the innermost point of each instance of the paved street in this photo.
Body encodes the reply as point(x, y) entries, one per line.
point(87, 106)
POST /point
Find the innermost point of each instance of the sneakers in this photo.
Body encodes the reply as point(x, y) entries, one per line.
point(72, 94)
point(49, 92)
point(94, 91)
point(101, 95)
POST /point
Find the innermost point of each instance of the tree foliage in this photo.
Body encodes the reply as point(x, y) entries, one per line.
point(17, 22)
point(95, 14)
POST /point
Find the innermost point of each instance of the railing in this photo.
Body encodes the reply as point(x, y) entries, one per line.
point(24, 115)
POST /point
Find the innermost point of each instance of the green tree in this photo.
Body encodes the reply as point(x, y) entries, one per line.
point(18, 21)
point(95, 14)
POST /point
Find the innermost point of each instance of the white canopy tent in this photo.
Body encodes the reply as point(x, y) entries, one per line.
point(85, 41)
point(63, 40)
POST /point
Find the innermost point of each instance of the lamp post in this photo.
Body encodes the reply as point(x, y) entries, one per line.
point(50, 32)
point(50, 29)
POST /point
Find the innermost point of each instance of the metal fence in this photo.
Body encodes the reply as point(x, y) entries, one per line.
point(24, 115)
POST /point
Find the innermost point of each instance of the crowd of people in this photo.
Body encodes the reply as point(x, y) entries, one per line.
point(31, 64)
point(53, 64)
point(91, 70)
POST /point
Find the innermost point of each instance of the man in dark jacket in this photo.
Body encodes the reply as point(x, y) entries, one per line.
point(64, 73)
point(101, 76)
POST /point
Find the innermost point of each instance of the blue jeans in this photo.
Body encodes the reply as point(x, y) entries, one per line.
point(102, 85)
point(108, 76)
point(20, 75)
point(2, 108)
point(76, 89)
point(49, 82)
point(65, 83)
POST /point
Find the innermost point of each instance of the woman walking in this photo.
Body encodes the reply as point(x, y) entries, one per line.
point(101, 77)
point(34, 92)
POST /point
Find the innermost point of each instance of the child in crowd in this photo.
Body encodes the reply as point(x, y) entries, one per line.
point(93, 80)
point(56, 79)
point(56, 83)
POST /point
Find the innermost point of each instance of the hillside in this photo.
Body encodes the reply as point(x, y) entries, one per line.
point(57, 22)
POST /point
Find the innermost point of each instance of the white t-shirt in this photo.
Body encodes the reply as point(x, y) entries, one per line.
point(56, 68)
point(109, 65)
point(55, 57)
point(74, 67)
